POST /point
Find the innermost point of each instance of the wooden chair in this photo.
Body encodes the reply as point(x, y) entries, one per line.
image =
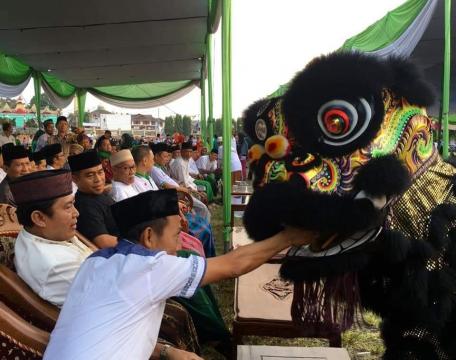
point(262, 304)
point(14, 292)
point(19, 296)
point(19, 339)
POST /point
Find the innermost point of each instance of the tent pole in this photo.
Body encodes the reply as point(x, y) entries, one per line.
point(37, 86)
point(446, 78)
point(203, 110)
point(227, 119)
point(210, 120)
point(81, 99)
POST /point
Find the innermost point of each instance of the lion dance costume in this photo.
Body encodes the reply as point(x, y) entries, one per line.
point(348, 152)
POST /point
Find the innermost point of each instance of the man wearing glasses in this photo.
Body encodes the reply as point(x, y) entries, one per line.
point(123, 175)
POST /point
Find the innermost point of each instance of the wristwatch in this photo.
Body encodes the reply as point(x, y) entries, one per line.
point(164, 352)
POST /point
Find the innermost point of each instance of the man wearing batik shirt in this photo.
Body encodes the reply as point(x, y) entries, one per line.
point(116, 303)
point(47, 252)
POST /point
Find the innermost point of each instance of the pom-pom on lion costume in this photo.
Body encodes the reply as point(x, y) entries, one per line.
point(348, 151)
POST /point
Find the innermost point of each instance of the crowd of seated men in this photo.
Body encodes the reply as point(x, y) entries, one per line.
point(143, 293)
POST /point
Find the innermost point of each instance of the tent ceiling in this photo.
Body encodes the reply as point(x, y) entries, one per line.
point(107, 42)
point(428, 54)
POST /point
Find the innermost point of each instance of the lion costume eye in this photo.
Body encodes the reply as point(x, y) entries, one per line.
point(342, 121)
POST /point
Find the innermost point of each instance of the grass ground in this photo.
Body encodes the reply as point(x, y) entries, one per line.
point(363, 340)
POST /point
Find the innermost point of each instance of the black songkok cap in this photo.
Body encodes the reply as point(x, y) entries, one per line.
point(51, 150)
point(38, 156)
point(174, 147)
point(187, 146)
point(85, 160)
point(12, 152)
point(214, 150)
point(144, 208)
point(41, 186)
point(159, 147)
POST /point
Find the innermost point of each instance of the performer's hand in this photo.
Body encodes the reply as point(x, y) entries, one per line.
point(176, 354)
point(299, 237)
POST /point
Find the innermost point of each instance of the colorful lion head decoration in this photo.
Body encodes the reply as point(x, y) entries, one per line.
point(348, 151)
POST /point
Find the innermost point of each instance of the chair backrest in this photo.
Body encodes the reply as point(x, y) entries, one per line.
point(9, 225)
point(86, 241)
point(22, 299)
point(20, 334)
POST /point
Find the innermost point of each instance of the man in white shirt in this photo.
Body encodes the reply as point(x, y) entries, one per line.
point(179, 168)
point(7, 137)
point(144, 160)
point(207, 166)
point(116, 303)
point(164, 181)
point(175, 152)
point(123, 175)
point(47, 252)
point(199, 179)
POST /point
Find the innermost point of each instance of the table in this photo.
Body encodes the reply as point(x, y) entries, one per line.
point(246, 352)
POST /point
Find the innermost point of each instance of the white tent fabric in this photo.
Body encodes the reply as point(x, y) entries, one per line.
point(406, 43)
point(147, 103)
point(58, 101)
point(13, 90)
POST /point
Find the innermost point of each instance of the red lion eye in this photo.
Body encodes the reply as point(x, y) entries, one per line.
point(336, 121)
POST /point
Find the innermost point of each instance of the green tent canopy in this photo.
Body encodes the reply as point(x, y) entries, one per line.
point(120, 51)
point(414, 29)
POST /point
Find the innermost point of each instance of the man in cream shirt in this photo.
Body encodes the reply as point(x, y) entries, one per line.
point(47, 252)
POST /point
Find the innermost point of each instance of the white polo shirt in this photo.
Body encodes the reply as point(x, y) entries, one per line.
point(115, 305)
point(121, 191)
point(143, 184)
point(47, 266)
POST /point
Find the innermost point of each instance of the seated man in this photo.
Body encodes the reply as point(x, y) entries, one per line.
point(16, 163)
point(144, 160)
point(97, 224)
point(123, 175)
point(55, 159)
point(199, 218)
point(164, 181)
point(39, 160)
point(198, 178)
point(116, 303)
point(95, 220)
point(47, 252)
point(179, 170)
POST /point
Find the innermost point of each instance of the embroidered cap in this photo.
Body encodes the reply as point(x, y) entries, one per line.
point(120, 157)
point(41, 186)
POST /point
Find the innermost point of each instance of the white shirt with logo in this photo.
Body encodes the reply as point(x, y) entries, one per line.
point(115, 306)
